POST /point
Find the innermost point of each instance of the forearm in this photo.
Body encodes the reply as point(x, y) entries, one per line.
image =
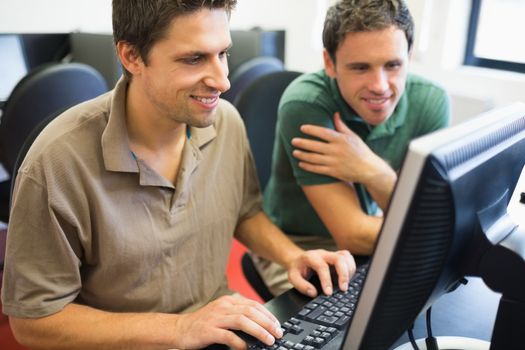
point(361, 237)
point(380, 184)
point(339, 209)
point(82, 327)
point(265, 239)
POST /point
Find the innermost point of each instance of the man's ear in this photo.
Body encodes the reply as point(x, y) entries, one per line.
point(329, 64)
point(129, 57)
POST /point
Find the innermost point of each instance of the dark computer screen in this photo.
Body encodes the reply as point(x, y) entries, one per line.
point(13, 65)
point(97, 50)
point(449, 217)
point(248, 44)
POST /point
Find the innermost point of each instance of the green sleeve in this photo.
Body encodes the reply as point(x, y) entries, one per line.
point(291, 116)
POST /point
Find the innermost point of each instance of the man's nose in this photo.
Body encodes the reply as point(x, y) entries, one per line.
point(378, 82)
point(217, 75)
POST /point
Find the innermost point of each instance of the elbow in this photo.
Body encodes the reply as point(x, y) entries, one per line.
point(357, 248)
point(23, 333)
point(361, 240)
point(357, 244)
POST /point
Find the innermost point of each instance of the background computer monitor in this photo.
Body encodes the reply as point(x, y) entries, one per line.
point(13, 64)
point(256, 42)
point(97, 50)
point(449, 218)
point(44, 48)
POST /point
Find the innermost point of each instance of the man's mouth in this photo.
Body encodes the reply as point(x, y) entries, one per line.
point(376, 101)
point(205, 100)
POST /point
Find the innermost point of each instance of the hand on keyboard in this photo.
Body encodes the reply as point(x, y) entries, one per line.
point(320, 261)
point(321, 320)
point(216, 322)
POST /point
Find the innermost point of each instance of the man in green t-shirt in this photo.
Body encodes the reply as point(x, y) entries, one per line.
point(342, 132)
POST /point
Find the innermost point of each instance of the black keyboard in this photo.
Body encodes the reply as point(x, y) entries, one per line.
point(321, 320)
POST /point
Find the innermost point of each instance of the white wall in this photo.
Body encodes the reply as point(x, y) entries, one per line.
point(303, 24)
point(440, 38)
point(47, 16)
point(441, 28)
point(302, 20)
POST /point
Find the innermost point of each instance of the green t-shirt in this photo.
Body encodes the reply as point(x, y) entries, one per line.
point(313, 99)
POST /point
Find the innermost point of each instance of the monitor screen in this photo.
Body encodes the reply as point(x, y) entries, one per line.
point(97, 50)
point(13, 65)
point(448, 211)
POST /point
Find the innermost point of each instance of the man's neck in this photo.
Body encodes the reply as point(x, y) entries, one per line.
point(153, 138)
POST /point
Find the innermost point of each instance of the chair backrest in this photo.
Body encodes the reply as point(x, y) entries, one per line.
point(43, 92)
point(249, 71)
point(258, 105)
point(27, 145)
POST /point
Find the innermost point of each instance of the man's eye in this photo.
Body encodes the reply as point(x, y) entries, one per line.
point(393, 65)
point(359, 68)
point(193, 60)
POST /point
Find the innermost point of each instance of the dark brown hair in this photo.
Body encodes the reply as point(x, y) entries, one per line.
point(142, 23)
point(350, 16)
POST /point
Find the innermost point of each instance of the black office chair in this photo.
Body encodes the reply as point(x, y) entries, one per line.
point(43, 92)
point(258, 105)
point(248, 72)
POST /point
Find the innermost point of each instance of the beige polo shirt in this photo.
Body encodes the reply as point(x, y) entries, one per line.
point(93, 225)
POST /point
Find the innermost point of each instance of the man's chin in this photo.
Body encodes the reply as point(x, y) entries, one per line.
point(203, 123)
point(376, 118)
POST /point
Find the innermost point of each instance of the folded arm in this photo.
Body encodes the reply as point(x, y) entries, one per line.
point(343, 155)
point(338, 207)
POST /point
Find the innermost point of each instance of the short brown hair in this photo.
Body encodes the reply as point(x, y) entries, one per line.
point(350, 16)
point(141, 23)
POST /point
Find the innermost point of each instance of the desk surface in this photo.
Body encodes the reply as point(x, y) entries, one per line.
point(469, 311)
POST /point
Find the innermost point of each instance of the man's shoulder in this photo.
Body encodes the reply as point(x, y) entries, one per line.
point(72, 129)
point(419, 85)
point(313, 94)
point(77, 118)
point(308, 87)
point(424, 97)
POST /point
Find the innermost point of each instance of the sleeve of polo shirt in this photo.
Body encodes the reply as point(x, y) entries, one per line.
point(292, 115)
point(41, 273)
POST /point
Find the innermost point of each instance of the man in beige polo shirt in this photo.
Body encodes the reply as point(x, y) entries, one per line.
point(126, 206)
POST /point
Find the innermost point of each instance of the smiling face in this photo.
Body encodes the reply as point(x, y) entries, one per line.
point(186, 70)
point(371, 69)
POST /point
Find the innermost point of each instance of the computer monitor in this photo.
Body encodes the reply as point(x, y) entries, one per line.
point(13, 64)
point(248, 44)
point(454, 213)
point(97, 50)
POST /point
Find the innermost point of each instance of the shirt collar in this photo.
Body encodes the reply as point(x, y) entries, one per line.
point(115, 142)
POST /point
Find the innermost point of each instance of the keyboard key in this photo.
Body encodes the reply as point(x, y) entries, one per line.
point(296, 329)
point(318, 342)
point(293, 320)
point(340, 323)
